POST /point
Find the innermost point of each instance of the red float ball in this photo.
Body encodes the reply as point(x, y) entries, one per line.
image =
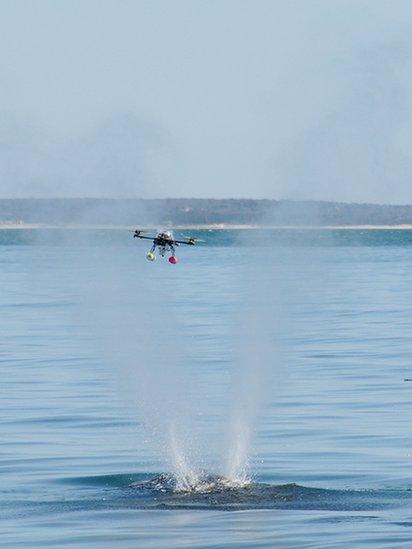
point(173, 260)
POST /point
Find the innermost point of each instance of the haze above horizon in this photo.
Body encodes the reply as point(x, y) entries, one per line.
point(280, 100)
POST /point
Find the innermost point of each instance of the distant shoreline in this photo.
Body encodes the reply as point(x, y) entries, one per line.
point(198, 214)
point(206, 227)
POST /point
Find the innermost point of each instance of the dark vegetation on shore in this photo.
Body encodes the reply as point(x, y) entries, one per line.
point(187, 211)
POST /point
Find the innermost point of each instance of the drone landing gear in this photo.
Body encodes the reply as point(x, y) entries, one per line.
point(172, 258)
point(150, 256)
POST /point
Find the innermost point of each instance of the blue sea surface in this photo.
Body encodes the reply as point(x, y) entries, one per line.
point(331, 458)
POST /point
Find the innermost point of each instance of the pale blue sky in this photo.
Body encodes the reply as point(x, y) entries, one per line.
point(218, 98)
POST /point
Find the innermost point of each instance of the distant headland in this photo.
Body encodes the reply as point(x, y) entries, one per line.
point(199, 213)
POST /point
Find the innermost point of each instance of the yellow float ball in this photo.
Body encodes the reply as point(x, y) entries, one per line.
point(150, 256)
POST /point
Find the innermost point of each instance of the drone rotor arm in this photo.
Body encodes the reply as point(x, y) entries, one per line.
point(145, 237)
point(190, 242)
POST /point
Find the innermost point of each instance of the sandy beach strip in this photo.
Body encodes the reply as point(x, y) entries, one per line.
point(205, 227)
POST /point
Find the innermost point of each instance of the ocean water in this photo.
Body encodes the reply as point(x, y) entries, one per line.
point(330, 447)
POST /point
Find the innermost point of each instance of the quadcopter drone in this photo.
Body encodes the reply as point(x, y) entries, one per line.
point(165, 243)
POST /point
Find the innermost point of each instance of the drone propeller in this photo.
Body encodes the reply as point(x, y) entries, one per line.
point(193, 239)
point(137, 233)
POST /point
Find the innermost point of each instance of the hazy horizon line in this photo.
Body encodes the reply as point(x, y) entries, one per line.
point(238, 199)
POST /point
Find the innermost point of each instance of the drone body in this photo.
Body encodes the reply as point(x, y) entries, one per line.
point(165, 243)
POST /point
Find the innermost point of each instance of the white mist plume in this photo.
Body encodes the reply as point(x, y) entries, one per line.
point(117, 159)
point(127, 307)
point(130, 313)
point(258, 356)
point(354, 150)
